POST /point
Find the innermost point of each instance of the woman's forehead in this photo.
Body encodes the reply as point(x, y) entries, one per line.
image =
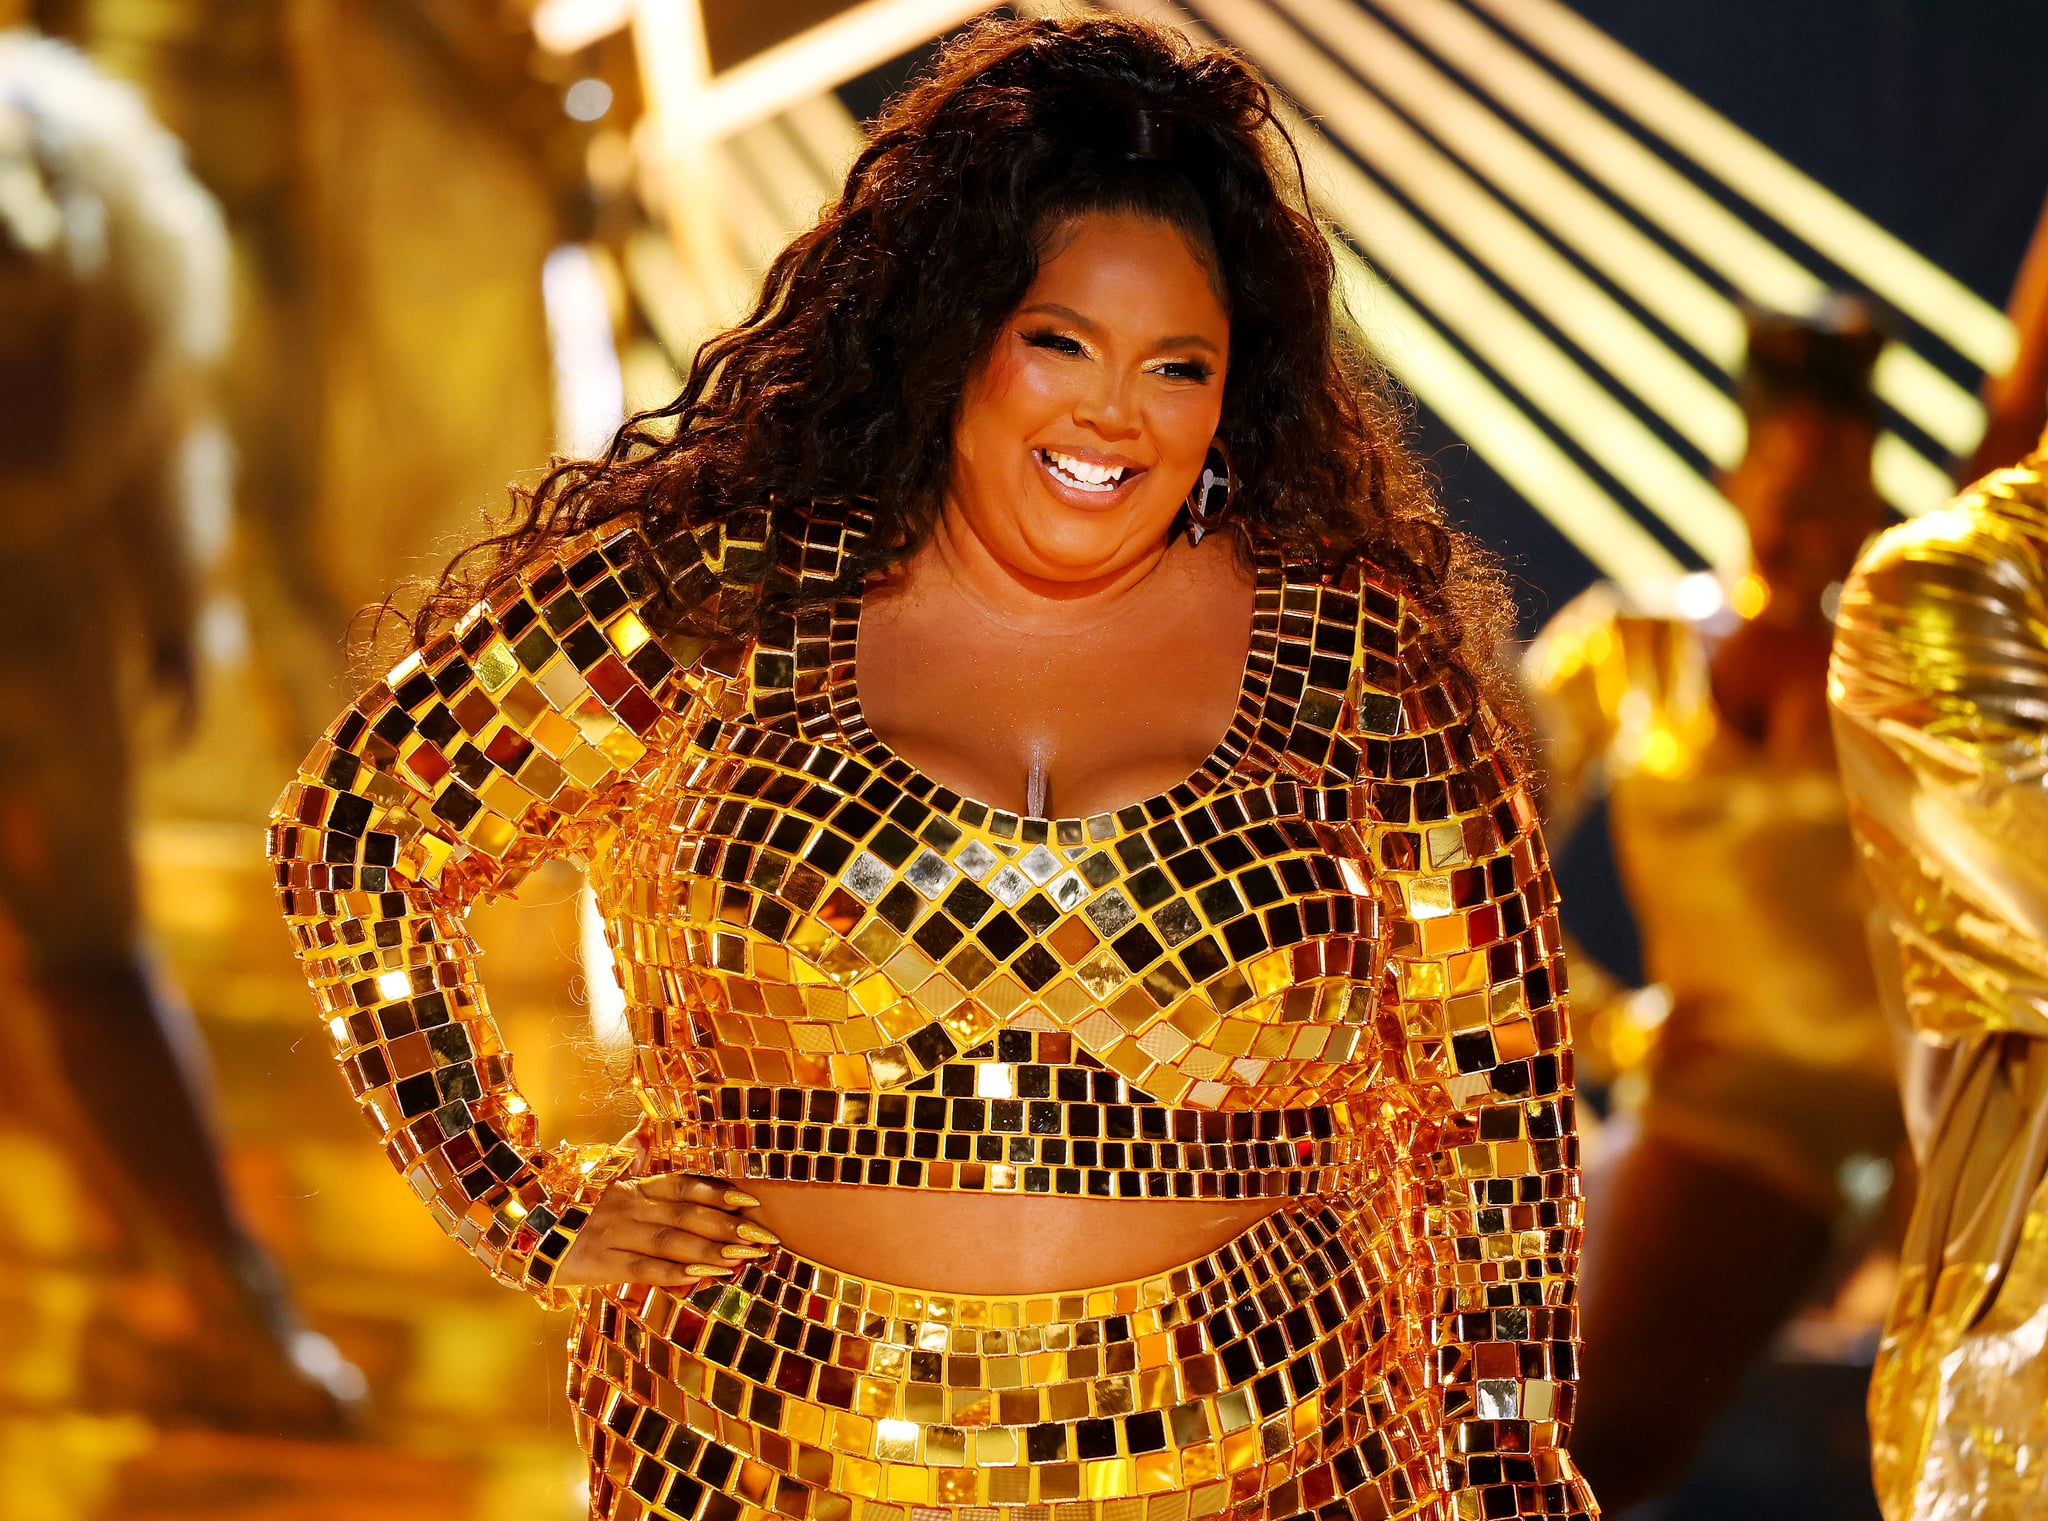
point(1127, 267)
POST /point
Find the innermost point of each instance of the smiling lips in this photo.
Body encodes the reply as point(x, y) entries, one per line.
point(1086, 475)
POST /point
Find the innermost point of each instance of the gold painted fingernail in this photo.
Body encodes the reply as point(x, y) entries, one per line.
point(705, 1270)
point(752, 1232)
point(742, 1253)
point(739, 1198)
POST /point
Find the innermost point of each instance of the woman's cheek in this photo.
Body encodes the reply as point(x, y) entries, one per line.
point(987, 423)
point(1183, 427)
point(1037, 389)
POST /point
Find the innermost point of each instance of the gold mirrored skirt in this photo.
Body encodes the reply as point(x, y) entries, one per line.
point(1253, 1382)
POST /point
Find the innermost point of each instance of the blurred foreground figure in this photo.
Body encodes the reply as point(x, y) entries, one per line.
point(113, 308)
point(1940, 692)
point(1770, 1080)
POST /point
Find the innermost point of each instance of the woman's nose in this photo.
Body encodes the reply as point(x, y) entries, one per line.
point(1108, 407)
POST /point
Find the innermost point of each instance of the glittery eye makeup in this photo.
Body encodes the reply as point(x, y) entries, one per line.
point(1052, 341)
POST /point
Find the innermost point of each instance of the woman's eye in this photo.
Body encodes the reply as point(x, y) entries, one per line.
point(1058, 343)
point(1187, 369)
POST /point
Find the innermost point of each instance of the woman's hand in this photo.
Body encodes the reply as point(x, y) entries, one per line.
point(664, 1230)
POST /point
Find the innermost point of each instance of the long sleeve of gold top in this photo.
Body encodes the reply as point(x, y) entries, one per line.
point(509, 740)
point(1940, 680)
point(1940, 690)
point(1480, 1024)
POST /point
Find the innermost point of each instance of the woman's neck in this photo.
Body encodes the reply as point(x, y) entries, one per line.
point(959, 561)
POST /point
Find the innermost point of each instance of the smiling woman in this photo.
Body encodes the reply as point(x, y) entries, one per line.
point(1017, 655)
point(1094, 979)
point(1111, 377)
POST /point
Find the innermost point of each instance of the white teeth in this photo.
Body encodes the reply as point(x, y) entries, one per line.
point(1078, 472)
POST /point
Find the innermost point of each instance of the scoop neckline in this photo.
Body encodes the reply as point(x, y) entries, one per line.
point(1215, 768)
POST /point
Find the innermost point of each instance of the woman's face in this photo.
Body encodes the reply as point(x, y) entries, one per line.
point(1085, 427)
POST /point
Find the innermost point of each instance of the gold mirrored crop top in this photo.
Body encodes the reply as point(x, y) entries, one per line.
point(1325, 960)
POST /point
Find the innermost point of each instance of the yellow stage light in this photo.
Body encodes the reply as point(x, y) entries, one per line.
point(1752, 263)
point(1696, 408)
point(1549, 380)
point(1521, 453)
point(1914, 284)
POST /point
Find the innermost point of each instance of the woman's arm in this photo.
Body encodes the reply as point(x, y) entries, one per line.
point(1938, 686)
point(1476, 1018)
point(501, 744)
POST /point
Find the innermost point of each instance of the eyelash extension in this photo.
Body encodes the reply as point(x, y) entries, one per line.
point(1047, 338)
point(1060, 343)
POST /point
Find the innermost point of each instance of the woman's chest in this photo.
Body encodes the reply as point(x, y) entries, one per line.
point(795, 914)
point(1051, 723)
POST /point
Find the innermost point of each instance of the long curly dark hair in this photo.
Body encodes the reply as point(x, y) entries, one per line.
point(841, 385)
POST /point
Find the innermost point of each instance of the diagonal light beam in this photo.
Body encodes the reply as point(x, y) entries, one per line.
point(1662, 284)
point(1883, 263)
point(1643, 363)
point(1549, 109)
point(1751, 262)
point(1657, 281)
point(826, 55)
point(1518, 451)
point(780, 171)
point(782, 184)
point(1493, 425)
point(1754, 265)
point(829, 136)
point(1548, 378)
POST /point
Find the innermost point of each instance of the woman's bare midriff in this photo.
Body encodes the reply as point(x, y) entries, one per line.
point(995, 1243)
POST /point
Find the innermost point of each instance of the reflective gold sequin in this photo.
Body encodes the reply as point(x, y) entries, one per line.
point(1940, 690)
point(1324, 967)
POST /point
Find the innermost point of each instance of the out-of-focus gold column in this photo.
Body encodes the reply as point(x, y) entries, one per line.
point(391, 207)
point(1940, 691)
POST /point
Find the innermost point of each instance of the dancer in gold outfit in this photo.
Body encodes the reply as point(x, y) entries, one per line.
point(114, 299)
point(1707, 731)
point(1940, 691)
point(1052, 1109)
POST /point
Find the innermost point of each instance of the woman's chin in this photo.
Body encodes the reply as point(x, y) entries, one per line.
point(1088, 551)
point(1080, 543)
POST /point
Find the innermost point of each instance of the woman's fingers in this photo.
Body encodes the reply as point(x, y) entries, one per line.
point(713, 1224)
point(666, 1230)
point(674, 1244)
point(683, 1188)
point(659, 1272)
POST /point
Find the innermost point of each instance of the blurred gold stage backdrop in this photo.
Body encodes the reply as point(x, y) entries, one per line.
point(385, 170)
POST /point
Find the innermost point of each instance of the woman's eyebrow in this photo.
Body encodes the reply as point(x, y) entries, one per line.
point(1176, 341)
point(1054, 309)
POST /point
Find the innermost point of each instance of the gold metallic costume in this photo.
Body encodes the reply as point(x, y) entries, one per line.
point(1940, 688)
point(1775, 1055)
point(1322, 970)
